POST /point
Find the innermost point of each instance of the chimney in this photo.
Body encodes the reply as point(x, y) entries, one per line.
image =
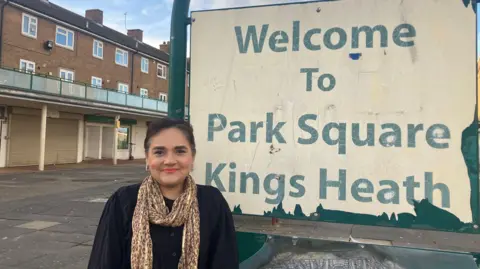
point(136, 34)
point(95, 15)
point(165, 47)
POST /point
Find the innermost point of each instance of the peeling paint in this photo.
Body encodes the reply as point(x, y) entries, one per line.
point(472, 3)
point(427, 215)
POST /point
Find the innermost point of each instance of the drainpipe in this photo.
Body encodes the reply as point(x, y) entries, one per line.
point(130, 150)
point(131, 70)
point(2, 8)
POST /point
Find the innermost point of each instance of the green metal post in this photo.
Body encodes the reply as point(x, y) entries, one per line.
point(178, 59)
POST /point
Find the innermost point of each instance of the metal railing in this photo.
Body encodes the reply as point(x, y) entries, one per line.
point(55, 86)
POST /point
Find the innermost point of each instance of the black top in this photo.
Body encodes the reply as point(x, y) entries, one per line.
point(112, 245)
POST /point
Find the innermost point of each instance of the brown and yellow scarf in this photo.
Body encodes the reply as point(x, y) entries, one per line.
point(151, 208)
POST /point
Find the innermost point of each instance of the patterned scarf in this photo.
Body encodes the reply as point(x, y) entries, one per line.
point(151, 208)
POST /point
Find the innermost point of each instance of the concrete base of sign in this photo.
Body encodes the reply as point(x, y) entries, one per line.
point(369, 235)
point(284, 252)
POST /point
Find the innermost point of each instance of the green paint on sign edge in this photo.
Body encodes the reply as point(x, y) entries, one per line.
point(428, 216)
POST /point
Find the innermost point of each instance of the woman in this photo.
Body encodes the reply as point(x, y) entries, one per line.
point(167, 221)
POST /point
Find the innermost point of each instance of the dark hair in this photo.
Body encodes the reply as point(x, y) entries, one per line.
point(159, 125)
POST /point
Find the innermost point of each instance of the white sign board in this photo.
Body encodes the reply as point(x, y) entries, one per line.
point(356, 106)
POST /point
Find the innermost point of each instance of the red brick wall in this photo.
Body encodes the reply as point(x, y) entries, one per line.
point(17, 46)
point(149, 81)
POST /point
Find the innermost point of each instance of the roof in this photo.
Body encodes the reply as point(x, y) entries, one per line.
point(79, 21)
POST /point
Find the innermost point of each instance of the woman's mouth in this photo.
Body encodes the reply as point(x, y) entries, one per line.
point(170, 170)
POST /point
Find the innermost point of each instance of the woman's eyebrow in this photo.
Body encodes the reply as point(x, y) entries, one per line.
point(181, 147)
point(163, 147)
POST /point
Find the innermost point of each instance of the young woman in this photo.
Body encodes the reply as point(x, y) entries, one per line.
point(167, 221)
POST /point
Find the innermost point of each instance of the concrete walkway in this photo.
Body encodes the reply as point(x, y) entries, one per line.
point(58, 167)
point(48, 219)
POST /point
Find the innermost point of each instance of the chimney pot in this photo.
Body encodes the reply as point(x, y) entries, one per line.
point(136, 34)
point(95, 15)
point(165, 47)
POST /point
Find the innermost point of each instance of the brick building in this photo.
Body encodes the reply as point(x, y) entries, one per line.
point(73, 89)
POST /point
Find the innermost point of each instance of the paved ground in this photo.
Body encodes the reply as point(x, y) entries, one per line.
point(48, 219)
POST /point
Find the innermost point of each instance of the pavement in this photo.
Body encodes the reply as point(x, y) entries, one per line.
point(48, 219)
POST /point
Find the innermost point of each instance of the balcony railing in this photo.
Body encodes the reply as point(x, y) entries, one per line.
point(55, 86)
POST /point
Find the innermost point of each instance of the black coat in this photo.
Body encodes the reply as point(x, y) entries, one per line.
point(112, 244)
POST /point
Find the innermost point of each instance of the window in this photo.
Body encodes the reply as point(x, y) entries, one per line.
point(123, 137)
point(97, 82)
point(144, 65)
point(143, 92)
point(122, 87)
point(29, 25)
point(64, 38)
point(27, 66)
point(121, 57)
point(161, 71)
point(67, 75)
point(98, 49)
point(162, 97)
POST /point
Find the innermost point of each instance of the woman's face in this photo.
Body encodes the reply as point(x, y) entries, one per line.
point(170, 157)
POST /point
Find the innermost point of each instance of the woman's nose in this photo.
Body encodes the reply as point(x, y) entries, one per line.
point(170, 158)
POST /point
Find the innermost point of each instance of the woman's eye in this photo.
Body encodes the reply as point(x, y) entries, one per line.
point(181, 151)
point(159, 152)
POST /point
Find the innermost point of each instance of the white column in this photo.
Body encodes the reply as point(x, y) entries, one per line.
point(80, 141)
point(115, 140)
point(3, 142)
point(43, 136)
point(100, 142)
point(85, 141)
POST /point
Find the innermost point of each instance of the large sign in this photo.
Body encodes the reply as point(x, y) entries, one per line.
point(354, 111)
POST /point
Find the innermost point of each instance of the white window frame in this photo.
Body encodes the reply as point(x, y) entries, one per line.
point(68, 87)
point(30, 17)
point(144, 92)
point(125, 86)
point(66, 71)
point(164, 74)
point(66, 38)
point(99, 45)
point(117, 50)
point(98, 80)
point(146, 61)
point(162, 97)
point(26, 65)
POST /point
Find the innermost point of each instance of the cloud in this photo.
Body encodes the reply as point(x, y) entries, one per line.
point(149, 10)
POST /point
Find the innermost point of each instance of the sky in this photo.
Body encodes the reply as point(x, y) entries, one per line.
point(153, 16)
